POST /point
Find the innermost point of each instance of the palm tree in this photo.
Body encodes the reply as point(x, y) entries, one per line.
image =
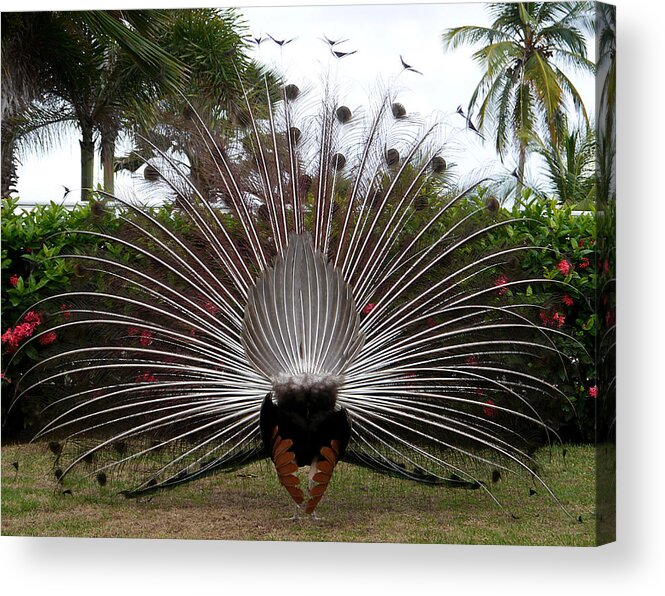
point(570, 166)
point(89, 60)
point(524, 87)
point(214, 44)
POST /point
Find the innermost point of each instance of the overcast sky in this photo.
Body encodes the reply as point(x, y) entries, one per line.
point(379, 34)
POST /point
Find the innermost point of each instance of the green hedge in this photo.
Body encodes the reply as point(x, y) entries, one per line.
point(32, 241)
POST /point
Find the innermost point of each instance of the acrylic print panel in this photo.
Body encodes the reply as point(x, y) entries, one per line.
point(341, 273)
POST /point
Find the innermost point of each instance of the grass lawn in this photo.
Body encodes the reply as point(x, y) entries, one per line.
point(360, 506)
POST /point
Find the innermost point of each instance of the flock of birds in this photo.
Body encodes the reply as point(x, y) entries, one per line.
point(342, 307)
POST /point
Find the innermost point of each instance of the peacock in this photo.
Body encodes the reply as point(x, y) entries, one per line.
point(330, 298)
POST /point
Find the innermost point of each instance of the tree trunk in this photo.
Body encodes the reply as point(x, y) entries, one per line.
point(87, 163)
point(8, 174)
point(108, 154)
point(521, 166)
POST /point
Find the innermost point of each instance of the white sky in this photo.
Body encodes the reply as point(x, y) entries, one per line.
point(379, 34)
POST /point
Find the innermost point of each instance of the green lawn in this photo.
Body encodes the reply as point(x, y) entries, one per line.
point(360, 506)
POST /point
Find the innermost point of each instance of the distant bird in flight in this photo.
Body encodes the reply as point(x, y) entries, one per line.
point(67, 191)
point(281, 42)
point(469, 123)
point(341, 54)
point(471, 126)
point(408, 66)
point(258, 40)
point(332, 42)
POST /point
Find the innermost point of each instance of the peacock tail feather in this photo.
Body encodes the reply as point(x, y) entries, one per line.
point(329, 299)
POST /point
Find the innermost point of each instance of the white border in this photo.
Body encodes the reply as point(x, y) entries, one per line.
point(632, 565)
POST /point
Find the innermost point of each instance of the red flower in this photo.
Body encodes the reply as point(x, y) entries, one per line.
point(146, 377)
point(146, 338)
point(609, 318)
point(32, 318)
point(489, 410)
point(133, 331)
point(558, 319)
point(593, 391)
point(14, 337)
point(580, 244)
point(48, 338)
point(4, 378)
point(502, 280)
point(211, 307)
point(563, 266)
point(368, 308)
point(13, 280)
point(584, 263)
point(64, 308)
point(567, 300)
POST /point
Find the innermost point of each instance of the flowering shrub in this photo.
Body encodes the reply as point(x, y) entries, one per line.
point(31, 271)
point(568, 305)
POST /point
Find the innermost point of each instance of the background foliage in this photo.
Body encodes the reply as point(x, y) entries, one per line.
point(34, 240)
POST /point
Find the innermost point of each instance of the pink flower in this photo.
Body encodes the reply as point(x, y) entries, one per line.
point(489, 410)
point(564, 266)
point(48, 338)
point(13, 280)
point(146, 338)
point(4, 378)
point(567, 300)
point(584, 263)
point(501, 281)
point(64, 308)
point(544, 317)
point(133, 331)
point(368, 308)
point(593, 391)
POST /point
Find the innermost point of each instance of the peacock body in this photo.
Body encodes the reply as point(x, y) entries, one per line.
point(328, 301)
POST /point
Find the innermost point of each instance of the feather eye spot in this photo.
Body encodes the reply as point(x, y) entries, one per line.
point(392, 157)
point(295, 134)
point(492, 205)
point(438, 165)
point(150, 173)
point(291, 92)
point(398, 110)
point(338, 161)
point(344, 114)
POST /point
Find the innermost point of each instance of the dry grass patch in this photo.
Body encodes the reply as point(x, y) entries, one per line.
point(360, 506)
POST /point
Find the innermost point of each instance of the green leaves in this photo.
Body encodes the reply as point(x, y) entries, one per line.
point(524, 54)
